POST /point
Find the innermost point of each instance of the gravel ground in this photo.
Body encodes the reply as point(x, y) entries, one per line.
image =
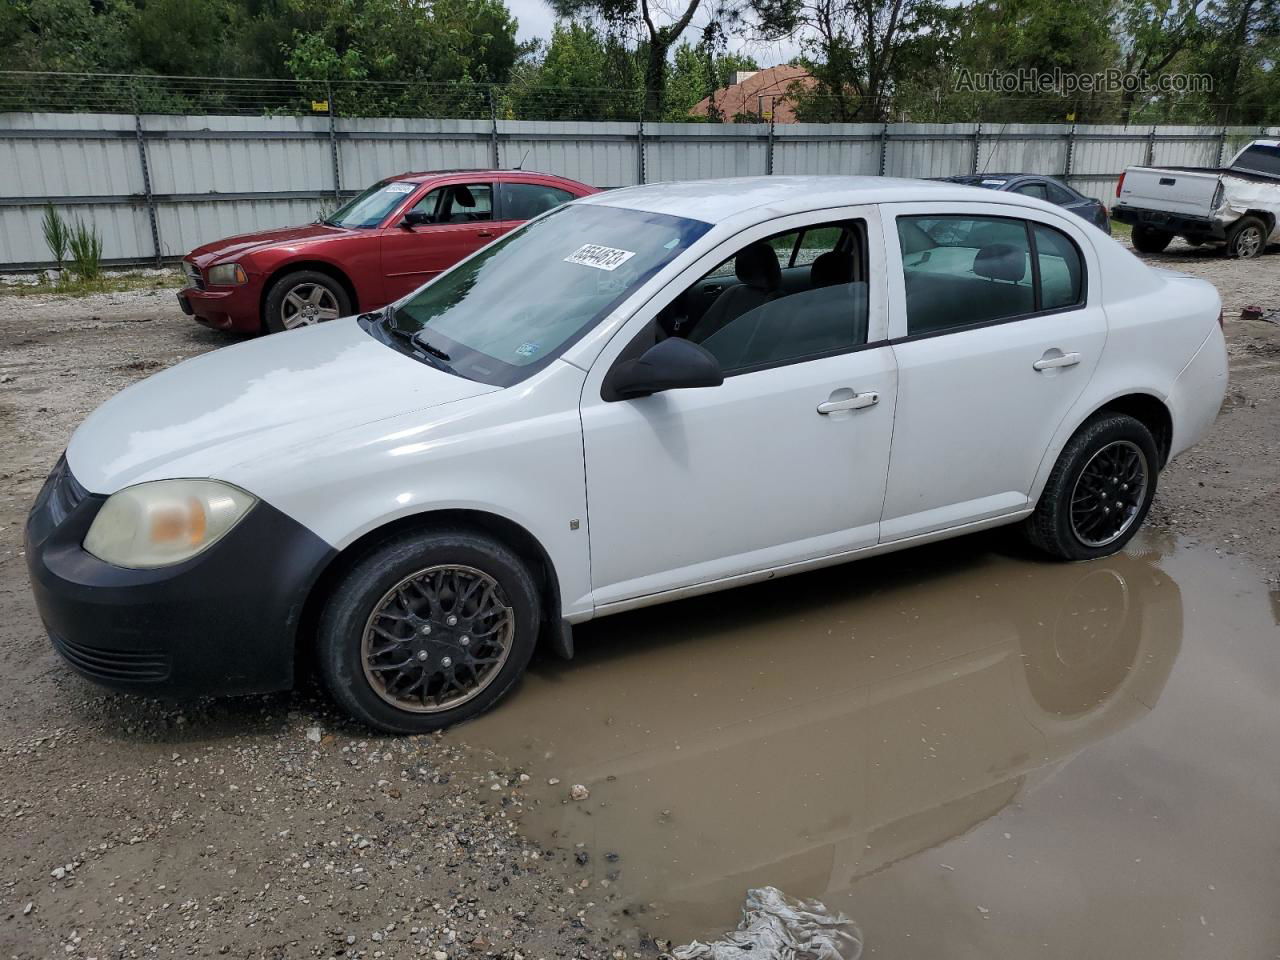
point(269, 827)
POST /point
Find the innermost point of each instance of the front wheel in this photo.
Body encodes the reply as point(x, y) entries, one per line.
point(1247, 238)
point(1099, 492)
point(427, 630)
point(303, 298)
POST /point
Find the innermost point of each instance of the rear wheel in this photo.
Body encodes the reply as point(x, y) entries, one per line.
point(1148, 240)
point(428, 630)
point(303, 298)
point(1099, 492)
point(1247, 238)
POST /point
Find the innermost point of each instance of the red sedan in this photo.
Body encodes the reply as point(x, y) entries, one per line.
point(381, 245)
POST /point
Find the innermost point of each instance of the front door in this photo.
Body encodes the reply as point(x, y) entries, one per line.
point(997, 332)
point(785, 461)
point(461, 222)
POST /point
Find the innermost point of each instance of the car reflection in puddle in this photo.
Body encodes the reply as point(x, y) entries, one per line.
point(812, 732)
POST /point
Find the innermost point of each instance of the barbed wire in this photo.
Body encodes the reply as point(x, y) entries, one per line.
point(24, 91)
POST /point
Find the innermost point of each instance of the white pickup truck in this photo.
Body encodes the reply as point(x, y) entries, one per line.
point(1238, 204)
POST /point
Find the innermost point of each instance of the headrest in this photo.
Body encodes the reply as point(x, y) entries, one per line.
point(463, 197)
point(831, 268)
point(757, 266)
point(1001, 261)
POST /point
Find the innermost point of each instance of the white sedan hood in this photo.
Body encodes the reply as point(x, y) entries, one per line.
point(251, 401)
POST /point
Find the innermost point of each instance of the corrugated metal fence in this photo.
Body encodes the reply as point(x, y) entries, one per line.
point(156, 186)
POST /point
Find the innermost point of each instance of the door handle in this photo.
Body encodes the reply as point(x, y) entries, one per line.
point(485, 233)
point(1052, 363)
point(857, 401)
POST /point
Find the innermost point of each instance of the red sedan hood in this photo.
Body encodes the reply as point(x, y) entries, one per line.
point(231, 247)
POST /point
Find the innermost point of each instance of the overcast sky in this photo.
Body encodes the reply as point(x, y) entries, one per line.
point(536, 21)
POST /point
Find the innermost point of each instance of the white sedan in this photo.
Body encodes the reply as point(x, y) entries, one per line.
point(645, 394)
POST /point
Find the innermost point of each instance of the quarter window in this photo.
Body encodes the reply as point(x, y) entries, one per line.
point(1061, 272)
point(963, 271)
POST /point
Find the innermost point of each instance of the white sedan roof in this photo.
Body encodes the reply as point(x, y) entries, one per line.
point(715, 201)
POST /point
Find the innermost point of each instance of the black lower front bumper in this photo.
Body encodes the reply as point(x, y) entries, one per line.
point(1176, 223)
point(223, 622)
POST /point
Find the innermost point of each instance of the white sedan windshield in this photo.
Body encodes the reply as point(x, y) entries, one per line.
point(521, 301)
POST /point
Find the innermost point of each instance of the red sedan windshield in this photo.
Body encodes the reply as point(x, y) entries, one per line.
point(371, 207)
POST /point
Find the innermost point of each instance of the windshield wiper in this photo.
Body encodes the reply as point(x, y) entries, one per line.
point(421, 341)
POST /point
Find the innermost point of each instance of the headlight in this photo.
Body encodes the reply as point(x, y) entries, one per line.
point(164, 522)
point(228, 275)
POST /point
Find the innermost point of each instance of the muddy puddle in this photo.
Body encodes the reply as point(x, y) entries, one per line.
point(970, 753)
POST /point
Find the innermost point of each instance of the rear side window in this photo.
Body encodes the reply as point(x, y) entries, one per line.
point(1036, 190)
point(524, 201)
point(965, 271)
point(1060, 195)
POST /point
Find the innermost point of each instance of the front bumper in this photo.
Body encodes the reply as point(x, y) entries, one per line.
point(1176, 223)
point(223, 622)
point(225, 308)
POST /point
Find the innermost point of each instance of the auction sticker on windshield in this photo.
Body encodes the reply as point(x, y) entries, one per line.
point(602, 258)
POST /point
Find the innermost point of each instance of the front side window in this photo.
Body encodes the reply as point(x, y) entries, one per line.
point(524, 201)
point(519, 303)
point(458, 203)
point(373, 206)
point(794, 296)
point(963, 271)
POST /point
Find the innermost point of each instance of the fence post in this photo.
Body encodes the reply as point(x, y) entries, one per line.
point(333, 145)
point(1151, 147)
point(884, 145)
point(768, 161)
point(977, 145)
point(1222, 147)
point(640, 172)
point(1071, 151)
point(146, 183)
point(493, 130)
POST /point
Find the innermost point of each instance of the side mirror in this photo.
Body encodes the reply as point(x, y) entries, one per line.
point(673, 364)
point(416, 218)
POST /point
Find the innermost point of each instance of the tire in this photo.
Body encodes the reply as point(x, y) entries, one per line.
point(1086, 532)
point(360, 648)
point(302, 298)
point(1247, 238)
point(1147, 240)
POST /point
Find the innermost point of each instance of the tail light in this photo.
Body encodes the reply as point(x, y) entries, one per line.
point(1119, 185)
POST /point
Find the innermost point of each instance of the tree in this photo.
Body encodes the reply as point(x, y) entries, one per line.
point(1241, 39)
point(583, 75)
point(697, 72)
point(858, 51)
point(1155, 33)
point(657, 30)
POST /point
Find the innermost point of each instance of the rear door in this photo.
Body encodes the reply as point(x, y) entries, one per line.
point(997, 327)
point(462, 221)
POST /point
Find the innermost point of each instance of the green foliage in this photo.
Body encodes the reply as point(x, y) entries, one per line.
point(56, 234)
point(618, 59)
point(86, 251)
point(697, 72)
